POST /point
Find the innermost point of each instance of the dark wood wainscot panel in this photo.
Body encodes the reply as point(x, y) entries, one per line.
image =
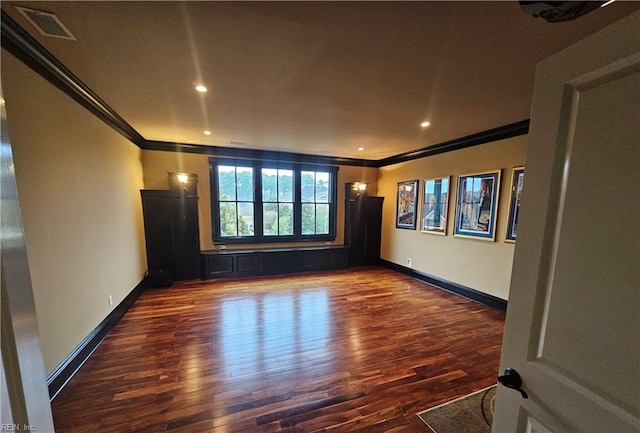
point(237, 263)
point(247, 263)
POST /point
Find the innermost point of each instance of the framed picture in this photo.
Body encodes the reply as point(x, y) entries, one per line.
point(406, 205)
point(477, 205)
point(435, 206)
point(517, 180)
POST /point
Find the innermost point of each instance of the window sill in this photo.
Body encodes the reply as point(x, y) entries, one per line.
point(272, 240)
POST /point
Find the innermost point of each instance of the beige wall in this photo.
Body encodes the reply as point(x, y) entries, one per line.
point(78, 184)
point(158, 163)
point(480, 265)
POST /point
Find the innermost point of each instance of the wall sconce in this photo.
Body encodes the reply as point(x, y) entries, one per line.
point(360, 186)
point(183, 178)
point(356, 189)
point(183, 183)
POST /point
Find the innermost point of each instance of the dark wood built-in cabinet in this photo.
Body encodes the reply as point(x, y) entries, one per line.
point(239, 263)
point(363, 227)
point(171, 233)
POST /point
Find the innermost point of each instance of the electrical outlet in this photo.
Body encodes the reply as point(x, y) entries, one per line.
point(409, 262)
point(222, 247)
point(110, 301)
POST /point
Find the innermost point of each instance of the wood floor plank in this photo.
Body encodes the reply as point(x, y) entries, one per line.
point(360, 350)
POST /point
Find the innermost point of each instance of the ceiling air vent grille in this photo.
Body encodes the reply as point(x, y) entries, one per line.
point(46, 23)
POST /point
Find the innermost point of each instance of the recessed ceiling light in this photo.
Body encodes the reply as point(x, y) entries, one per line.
point(360, 148)
point(200, 88)
point(206, 132)
point(425, 124)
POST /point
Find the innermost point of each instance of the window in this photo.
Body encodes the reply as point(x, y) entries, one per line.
point(315, 202)
point(262, 202)
point(235, 192)
point(277, 202)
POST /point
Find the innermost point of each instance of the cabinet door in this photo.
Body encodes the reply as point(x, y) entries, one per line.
point(158, 232)
point(372, 230)
point(354, 232)
point(186, 245)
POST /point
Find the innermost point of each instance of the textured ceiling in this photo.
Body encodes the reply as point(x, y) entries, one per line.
point(311, 77)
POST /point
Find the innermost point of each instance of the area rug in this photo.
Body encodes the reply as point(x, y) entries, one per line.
point(462, 415)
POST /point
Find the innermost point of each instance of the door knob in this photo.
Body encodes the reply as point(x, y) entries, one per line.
point(511, 379)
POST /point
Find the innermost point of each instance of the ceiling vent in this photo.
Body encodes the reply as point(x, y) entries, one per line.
point(46, 23)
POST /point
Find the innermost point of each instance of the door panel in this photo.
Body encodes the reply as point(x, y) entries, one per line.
point(534, 426)
point(587, 274)
point(573, 322)
point(186, 244)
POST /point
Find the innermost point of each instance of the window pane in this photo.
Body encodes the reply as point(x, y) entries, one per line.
point(307, 186)
point(308, 219)
point(322, 187)
point(228, 219)
point(270, 219)
point(235, 184)
point(245, 219)
point(285, 219)
point(322, 219)
point(245, 183)
point(226, 183)
point(269, 184)
point(285, 185)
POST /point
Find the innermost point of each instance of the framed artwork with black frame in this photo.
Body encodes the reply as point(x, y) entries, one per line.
point(477, 205)
point(435, 205)
point(517, 181)
point(406, 205)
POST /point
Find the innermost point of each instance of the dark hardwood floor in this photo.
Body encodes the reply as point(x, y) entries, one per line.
point(358, 350)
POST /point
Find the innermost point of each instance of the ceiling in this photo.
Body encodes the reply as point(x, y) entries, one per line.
point(320, 78)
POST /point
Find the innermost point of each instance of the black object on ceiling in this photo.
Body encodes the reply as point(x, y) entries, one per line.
point(556, 12)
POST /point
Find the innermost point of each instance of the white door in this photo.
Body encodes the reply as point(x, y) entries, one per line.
point(573, 322)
